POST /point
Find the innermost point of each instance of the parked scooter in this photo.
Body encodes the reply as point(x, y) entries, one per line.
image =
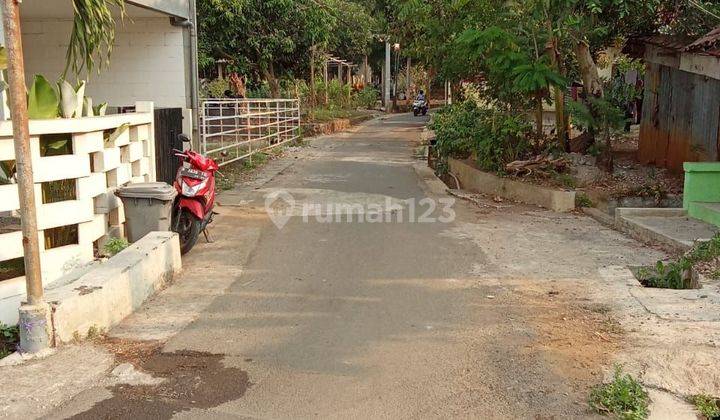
point(193, 207)
point(420, 106)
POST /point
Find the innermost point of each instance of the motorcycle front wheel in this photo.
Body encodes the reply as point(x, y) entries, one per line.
point(416, 112)
point(188, 227)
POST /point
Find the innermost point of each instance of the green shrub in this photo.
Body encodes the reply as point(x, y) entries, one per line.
point(215, 88)
point(674, 274)
point(260, 91)
point(582, 200)
point(496, 137)
point(9, 337)
point(624, 397)
point(115, 245)
point(367, 98)
point(708, 406)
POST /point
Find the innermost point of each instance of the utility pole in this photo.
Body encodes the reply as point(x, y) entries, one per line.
point(313, 99)
point(325, 78)
point(349, 81)
point(386, 80)
point(408, 93)
point(34, 329)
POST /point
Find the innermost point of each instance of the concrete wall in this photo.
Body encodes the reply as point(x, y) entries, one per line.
point(105, 295)
point(148, 61)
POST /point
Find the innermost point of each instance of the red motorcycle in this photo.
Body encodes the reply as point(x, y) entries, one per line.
point(193, 207)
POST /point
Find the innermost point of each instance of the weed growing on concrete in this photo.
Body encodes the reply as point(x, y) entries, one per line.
point(9, 337)
point(708, 406)
point(678, 274)
point(623, 397)
point(115, 245)
point(94, 333)
point(582, 200)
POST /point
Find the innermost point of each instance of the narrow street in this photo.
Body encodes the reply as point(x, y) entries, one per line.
point(491, 315)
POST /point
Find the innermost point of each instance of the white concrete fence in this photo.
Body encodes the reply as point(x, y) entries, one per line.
point(97, 165)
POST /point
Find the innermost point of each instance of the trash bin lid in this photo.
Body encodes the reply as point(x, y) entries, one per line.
point(157, 190)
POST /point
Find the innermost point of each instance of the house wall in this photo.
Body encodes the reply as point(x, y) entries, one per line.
point(681, 118)
point(148, 61)
point(179, 8)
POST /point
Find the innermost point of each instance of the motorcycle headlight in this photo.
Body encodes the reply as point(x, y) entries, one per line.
point(192, 191)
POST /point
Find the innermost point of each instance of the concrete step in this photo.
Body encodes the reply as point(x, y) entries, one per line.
point(707, 212)
point(670, 227)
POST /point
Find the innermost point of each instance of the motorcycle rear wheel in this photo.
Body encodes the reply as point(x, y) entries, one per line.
point(188, 227)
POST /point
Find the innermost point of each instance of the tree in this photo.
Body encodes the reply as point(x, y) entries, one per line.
point(270, 39)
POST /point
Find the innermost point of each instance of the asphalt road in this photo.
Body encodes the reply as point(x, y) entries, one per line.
point(393, 318)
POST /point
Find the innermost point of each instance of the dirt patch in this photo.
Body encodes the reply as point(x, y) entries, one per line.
point(577, 336)
point(191, 380)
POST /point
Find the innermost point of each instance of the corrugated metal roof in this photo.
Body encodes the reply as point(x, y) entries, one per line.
point(709, 44)
point(666, 41)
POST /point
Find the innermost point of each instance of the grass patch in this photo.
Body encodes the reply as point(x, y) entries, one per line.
point(624, 397)
point(708, 406)
point(321, 115)
point(9, 338)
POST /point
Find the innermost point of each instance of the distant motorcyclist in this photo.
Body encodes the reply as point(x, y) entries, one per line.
point(420, 106)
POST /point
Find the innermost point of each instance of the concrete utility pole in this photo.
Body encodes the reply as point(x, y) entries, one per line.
point(313, 99)
point(386, 79)
point(34, 329)
point(325, 78)
point(408, 92)
point(349, 80)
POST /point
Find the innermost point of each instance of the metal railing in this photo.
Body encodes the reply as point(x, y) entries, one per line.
point(234, 129)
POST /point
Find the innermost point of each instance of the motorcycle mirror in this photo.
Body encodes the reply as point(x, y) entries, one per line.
point(183, 138)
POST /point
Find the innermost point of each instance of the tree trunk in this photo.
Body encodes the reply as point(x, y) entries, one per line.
point(539, 115)
point(269, 74)
point(561, 119)
point(588, 70)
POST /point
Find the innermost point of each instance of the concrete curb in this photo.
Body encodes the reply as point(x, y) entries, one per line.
point(104, 296)
point(482, 182)
point(429, 181)
point(602, 217)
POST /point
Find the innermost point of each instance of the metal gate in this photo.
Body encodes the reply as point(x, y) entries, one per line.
point(233, 129)
point(168, 124)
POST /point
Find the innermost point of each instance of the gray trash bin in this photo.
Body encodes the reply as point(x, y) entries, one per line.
point(148, 207)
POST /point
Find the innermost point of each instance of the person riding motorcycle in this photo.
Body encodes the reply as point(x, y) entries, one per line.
point(421, 96)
